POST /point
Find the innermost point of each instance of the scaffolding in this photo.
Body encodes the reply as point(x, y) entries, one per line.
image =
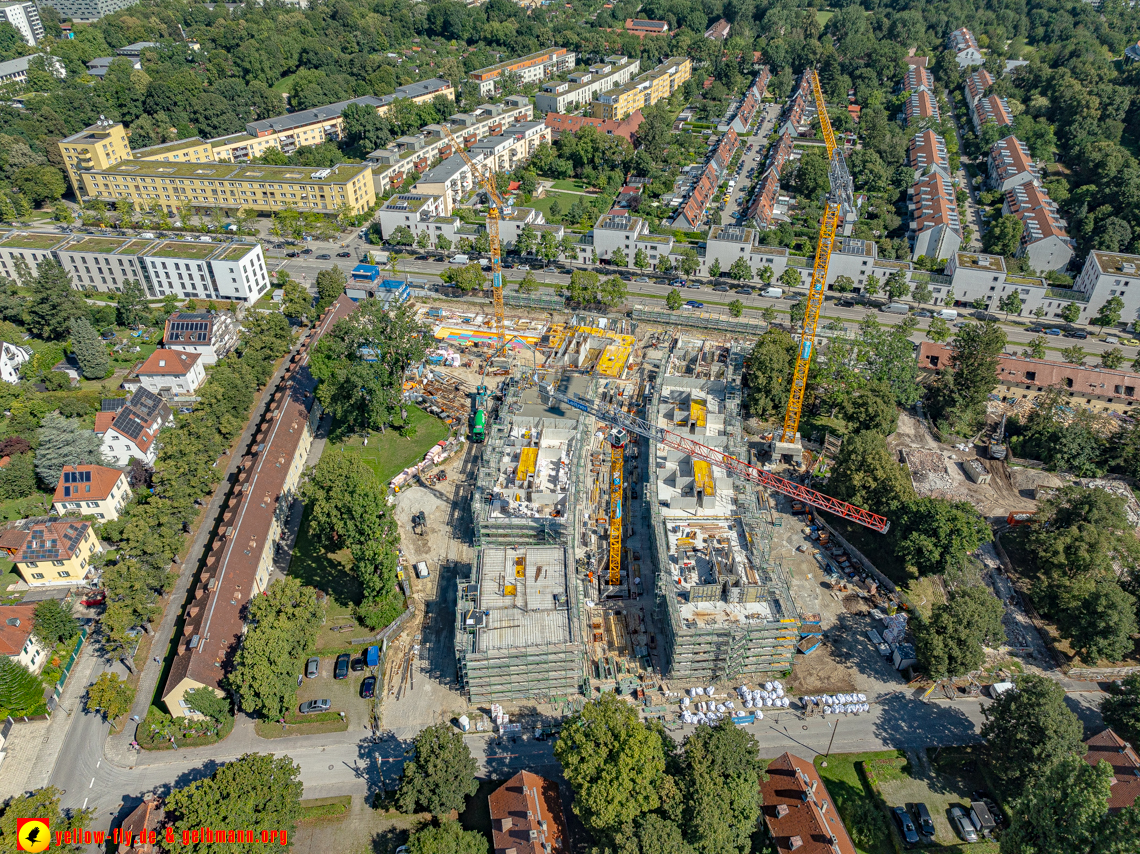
point(739, 619)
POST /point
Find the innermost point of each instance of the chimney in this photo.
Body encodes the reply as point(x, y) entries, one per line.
point(503, 823)
point(794, 843)
point(814, 783)
point(781, 810)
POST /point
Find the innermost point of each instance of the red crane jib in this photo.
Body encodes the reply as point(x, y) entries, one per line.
point(776, 483)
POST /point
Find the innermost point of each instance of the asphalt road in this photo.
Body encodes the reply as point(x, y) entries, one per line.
point(758, 141)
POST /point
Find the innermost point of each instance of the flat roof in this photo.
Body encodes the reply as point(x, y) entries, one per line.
point(494, 70)
point(1114, 262)
point(184, 249)
point(235, 251)
point(105, 245)
point(339, 174)
point(32, 240)
point(518, 586)
point(977, 261)
point(177, 145)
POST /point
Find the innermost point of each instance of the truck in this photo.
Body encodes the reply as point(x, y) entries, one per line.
point(479, 414)
point(997, 443)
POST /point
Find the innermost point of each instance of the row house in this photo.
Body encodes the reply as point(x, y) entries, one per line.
point(1009, 165)
point(922, 108)
point(1044, 237)
point(692, 214)
point(642, 27)
point(779, 153)
point(751, 103)
point(764, 203)
point(991, 108)
point(725, 150)
point(965, 48)
point(532, 68)
point(580, 87)
point(927, 150)
point(935, 226)
point(975, 88)
point(918, 77)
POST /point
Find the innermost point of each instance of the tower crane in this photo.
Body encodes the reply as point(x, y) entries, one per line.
point(840, 209)
point(496, 208)
point(632, 424)
point(617, 492)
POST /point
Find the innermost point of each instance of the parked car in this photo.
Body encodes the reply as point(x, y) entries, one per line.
point(312, 667)
point(694, 304)
point(961, 823)
point(324, 256)
point(1131, 342)
point(923, 313)
point(744, 292)
point(306, 251)
point(641, 279)
point(94, 599)
point(311, 706)
point(368, 687)
point(678, 283)
point(357, 664)
point(924, 821)
point(722, 289)
point(1053, 331)
point(1036, 329)
point(846, 303)
point(292, 254)
point(906, 826)
point(1111, 339)
point(1077, 333)
point(523, 267)
point(344, 255)
point(341, 669)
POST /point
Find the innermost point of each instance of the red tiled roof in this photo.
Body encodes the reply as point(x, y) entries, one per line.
point(933, 202)
point(526, 816)
point(916, 76)
point(103, 420)
point(1009, 157)
point(766, 197)
point(1111, 748)
point(921, 105)
point(168, 363)
point(45, 540)
point(99, 486)
point(149, 816)
point(14, 634)
point(799, 811)
point(927, 149)
point(626, 128)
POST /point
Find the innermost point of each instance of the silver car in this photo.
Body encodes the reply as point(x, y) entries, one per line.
point(311, 706)
point(962, 824)
point(312, 667)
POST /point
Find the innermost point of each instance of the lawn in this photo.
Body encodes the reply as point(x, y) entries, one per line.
point(572, 184)
point(389, 453)
point(330, 574)
point(325, 809)
point(854, 800)
point(36, 504)
point(284, 84)
point(823, 17)
point(564, 199)
point(7, 579)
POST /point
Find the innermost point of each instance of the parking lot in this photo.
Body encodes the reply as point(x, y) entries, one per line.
point(344, 693)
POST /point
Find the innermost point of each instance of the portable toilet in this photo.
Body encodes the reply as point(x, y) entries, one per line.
point(372, 656)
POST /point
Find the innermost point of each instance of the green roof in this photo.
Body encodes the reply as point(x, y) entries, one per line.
point(106, 245)
point(32, 240)
point(234, 171)
point(158, 150)
point(234, 251)
point(184, 249)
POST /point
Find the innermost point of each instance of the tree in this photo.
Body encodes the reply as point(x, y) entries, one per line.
point(922, 293)
point(843, 284)
point(614, 763)
point(467, 278)
point(765, 275)
point(690, 263)
point(130, 303)
point(360, 365)
point(527, 240)
point(897, 286)
point(1112, 359)
point(89, 350)
point(18, 478)
point(674, 300)
point(21, 693)
point(64, 442)
point(797, 313)
point(529, 283)
point(54, 623)
point(448, 837)
point(281, 634)
point(401, 236)
point(1011, 303)
point(583, 287)
point(44, 803)
point(253, 791)
point(1121, 708)
point(768, 373)
point(110, 695)
point(959, 395)
point(640, 259)
point(442, 242)
point(423, 240)
point(1104, 624)
point(736, 308)
point(938, 330)
point(1027, 730)
point(740, 270)
point(791, 278)
point(951, 641)
point(867, 474)
point(618, 258)
point(869, 406)
point(936, 535)
point(1039, 312)
point(52, 303)
point(295, 300)
point(330, 285)
point(612, 292)
point(1071, 313)
point(651, 834)
point(39, 184)
point(206, 702)
point(871, 286)
point(769, 314)
point(1109, 313)
point(1074, 355)
point(1035, 349)
point(720, 782)
point(441, 775)
point(1003, 236)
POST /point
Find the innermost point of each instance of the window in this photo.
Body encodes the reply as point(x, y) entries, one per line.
point(37, 575)
point(64, 574)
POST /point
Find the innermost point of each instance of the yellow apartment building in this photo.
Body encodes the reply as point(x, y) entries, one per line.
point(97, 147)
point(644, 90)
point(50, 552)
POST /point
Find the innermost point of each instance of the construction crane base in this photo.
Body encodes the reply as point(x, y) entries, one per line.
point(785, 450)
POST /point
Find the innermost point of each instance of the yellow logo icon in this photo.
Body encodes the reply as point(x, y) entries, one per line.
point(32, 835)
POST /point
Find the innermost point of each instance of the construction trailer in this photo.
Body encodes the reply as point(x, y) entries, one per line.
point(724, 606)
point(517, 625)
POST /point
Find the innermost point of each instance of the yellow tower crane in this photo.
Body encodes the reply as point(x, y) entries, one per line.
point(840, 208)
point(617, 490)
point(496, 208)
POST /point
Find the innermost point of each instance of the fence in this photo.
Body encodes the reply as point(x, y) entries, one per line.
point(66, 671)
point(720, 322)
point(546, 301)
point(858, 555)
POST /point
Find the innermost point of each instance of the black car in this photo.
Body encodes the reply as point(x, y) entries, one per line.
point(306, 251)
point(344, 255)
point(923, 313)
point(925, 822)
point(368, 687)
point(278, 245)
point(744, 292)
point(906, 826)
point(1036, 328)
point(357, 665)
point(846, 303)
point(341, 671)
point(292, 254)
point(1077, 333)
point(324, 256)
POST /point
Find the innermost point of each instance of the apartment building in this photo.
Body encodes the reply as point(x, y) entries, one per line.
point(208, 334)
point(100, 65)
point(975, 87)
point(1009, 165)
point(922, 108)
point(1045, 240)
point(417, 212)
point(104, 263)
point(533, 68)
point(927, 150)
point(98, 147)
point(25, 19)
point(20, 249)
point(644, 90)
point(240, 561)
point(50, 552)
point(626, 128)
point(629, 234)
point(131, 433)
point(415, 153)
point(11, 357)
point(935, 227)
point(917, 77)
point(171, 373)
point(965, 48)
point(800, 813)
point(15, 71)
point(86, 11)
point(991, 108)
point(86, 490)
point(719, 31)
point(197, 270)
point(451, 181)
point(1107, 275)
point(580, 87)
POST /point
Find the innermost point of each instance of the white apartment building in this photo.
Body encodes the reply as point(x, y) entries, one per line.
point(418, 212)
point(533, 68)
point(1111, 274)
point(16, 70)
point(20, 248)
point(629, 234)
point(853, 258)
point(580, 87)
point(171, 373)
point(11, 357)
point(25, 18)
point(104, 263)
point(86, 11)
point(965, 48)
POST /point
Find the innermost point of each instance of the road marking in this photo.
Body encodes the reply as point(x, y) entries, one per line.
point(85, 800)
point(92, 783)
point(100, 762)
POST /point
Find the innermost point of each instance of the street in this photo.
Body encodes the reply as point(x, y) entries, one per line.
point(737, 206)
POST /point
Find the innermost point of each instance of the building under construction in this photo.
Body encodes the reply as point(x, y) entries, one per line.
point(724, 607)
point(518, 617)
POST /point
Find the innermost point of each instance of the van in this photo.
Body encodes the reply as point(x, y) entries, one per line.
point(896, 308)
point(774, 293)
point(948, 314)
point(458, 259)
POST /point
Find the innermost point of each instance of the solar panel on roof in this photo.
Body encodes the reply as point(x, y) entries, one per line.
point(112, 404)
point(128, 424)
point(77, 477)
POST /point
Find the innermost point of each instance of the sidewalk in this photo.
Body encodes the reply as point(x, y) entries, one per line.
point(118, 748)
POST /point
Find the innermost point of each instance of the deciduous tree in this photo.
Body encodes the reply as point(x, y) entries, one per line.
point(205, 702)
point(1109, 313)
point(469, 277)
point(936, 534)
point(768, 373)
point(720, 786)
point(44, 803)
point(736, 308)
point(1121, 708)
point(440, 777)
point(951, 641)
point(110, 695)
point(54, 623)
point(448, 837)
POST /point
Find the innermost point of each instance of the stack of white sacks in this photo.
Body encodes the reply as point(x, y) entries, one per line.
point(839, 704)
point(770, 696)
point(695, 710)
